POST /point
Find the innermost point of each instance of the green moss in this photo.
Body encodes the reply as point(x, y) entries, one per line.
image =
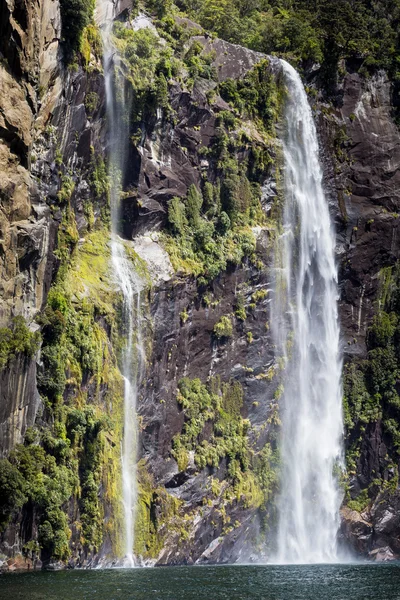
point(153, 527)
point(91, 44)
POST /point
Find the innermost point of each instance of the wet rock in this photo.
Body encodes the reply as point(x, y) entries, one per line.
point(384, 554)
point(356, 530)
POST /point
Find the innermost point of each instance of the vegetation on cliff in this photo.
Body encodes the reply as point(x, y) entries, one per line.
point(212, 227)
point(318, 30)
point(16, 340)
point(371, 387)
point(215, 441)
point(66, 473)
point(66, 456)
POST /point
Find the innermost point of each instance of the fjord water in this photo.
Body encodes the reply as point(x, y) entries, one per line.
point(305, 322)
point(295, 582)
point(129, 283)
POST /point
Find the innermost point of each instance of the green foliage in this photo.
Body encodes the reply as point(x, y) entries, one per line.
point(18, 339)
point(148, 64)
point(12, 491)
point(66, 190)
point(220, 404)
point(257, 95)
point(177, 216)
point(194, 202)
point(240, 310)
point(184, 316)
point(223, 328)
point(361, 502)
point(70, 342)
point(99, 180)
point(198, 63)
point(75, 358)
point(259, 296)
point(214, 430)
point(203, 243)
point(30, 474)
point(212, 226)
point(75, 16)
point(91, 44)
point(91, 102)
point(321, 31)
point(371, 386)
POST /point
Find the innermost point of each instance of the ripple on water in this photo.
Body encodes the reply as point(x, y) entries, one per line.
point(318, 582)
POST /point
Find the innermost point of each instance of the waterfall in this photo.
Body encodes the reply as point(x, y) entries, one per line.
point(130, 284)
point(305, 326)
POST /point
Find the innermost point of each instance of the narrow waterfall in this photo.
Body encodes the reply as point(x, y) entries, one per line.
point(305, 322)
point(118, 107)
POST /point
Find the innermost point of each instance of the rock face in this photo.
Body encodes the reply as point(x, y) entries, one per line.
point(29, 89)
point(361, 149)
point(363, 142)
point(30, 85)
point(52, 137)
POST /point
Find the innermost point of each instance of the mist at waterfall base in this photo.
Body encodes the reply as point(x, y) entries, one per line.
point(305, 328)
point(294, 582)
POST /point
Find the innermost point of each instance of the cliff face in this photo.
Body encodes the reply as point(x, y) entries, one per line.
point(29, 89)
point(361, 148)
point(208, 403)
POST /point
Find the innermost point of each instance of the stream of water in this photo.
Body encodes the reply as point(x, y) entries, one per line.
point(305, 322)
point(130, 284)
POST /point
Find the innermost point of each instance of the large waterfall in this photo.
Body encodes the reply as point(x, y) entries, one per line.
point(305, 322)
point(118, 108)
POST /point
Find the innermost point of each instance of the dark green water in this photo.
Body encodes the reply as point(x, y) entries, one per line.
point(333, 582)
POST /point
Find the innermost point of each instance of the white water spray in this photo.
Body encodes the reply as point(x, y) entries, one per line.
point(305, 322)
point(133, 355)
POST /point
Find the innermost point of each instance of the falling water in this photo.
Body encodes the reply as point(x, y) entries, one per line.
point(118, 106)
point(305, 322)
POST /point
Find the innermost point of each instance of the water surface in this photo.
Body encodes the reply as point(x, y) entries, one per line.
point(318, 582)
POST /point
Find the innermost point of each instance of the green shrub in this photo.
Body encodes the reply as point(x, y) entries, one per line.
point(12, 491)
point(18, 339)
point(259, 296)
point(91, 102)
point(223, 328)
point(361, 502)
point(75, 16)
point(240, 310)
